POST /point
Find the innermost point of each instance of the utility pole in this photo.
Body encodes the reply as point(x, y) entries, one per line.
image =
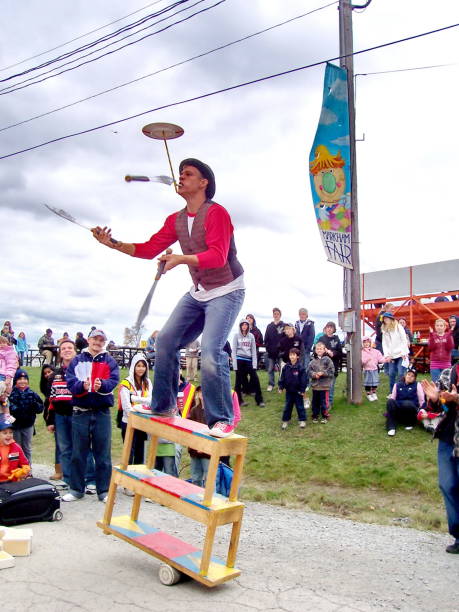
point(351, 278)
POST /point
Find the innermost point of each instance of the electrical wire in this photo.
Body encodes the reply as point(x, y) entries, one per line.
point(181, 63)
point(79, 37)
point(230, 88)
point(13, 88)
point(99, 41)
point(402, 70)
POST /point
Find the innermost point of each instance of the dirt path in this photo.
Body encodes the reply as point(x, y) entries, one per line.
point(290, 560)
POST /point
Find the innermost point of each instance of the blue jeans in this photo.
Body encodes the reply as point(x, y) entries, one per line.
point(214, 319)
point(91, 430)
point(305, 364)
point(199, 467)
point(395, 371)
point(63, 431)
point(435, 374)
point(166, 465)
point(448, 481)
point(23, 437)
point(271, 365)
point(293, 398)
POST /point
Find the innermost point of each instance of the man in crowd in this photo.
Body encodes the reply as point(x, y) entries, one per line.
point(91, 378)
point(304, 328)
point(272, 340)
point(44, 344)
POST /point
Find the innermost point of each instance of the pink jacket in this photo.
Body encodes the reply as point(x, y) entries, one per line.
point(8, 361)
point(370, 358)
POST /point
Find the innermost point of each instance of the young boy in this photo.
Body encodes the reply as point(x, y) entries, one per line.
point(293, 379)
point(322, 375)
point(25, 404)
point(13, 463)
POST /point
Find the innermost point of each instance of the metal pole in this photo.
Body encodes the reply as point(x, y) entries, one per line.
point(351, 280)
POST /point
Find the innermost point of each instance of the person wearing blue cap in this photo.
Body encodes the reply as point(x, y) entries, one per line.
point(205, 234)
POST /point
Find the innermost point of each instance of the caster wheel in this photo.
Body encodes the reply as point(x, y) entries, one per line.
point(58, 516)
point(168, 575)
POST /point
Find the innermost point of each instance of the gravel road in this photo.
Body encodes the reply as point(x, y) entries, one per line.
point(290, 560)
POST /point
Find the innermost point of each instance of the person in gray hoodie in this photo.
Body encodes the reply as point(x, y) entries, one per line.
point(245, 363)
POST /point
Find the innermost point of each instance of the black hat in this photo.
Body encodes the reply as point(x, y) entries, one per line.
point(206, 172)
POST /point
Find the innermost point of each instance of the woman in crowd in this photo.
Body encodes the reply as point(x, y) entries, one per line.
point(395, 346)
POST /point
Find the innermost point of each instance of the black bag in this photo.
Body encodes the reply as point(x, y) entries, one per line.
point(27, 501)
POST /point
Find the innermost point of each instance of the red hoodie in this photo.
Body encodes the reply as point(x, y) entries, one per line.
point(440, 348)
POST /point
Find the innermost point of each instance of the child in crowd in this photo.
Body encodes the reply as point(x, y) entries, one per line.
point(371, 357)
point(293, 380)
point(46, 381)
point(290, 340)
point(395, 346)
point(245, 363)
point(440, 346)
point(334, 350)
point(433, 413)
point(135, 394)
point(25, 404)
point(4, 403)
point(13, 463)
point(8, 363)
point(322, 375)
point(199, 461)
point(404, 402)
point(21, 347)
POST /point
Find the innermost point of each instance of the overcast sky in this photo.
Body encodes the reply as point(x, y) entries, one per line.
point(257, 140)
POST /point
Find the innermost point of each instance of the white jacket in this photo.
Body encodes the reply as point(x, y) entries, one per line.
point(395, 344)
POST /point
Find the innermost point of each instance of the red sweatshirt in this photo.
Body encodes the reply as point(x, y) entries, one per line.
point(440, 348)
point(11, 457)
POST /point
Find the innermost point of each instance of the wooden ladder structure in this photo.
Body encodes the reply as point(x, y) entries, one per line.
point(199, 504)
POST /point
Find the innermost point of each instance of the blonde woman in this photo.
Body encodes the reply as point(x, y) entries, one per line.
point(395, 346)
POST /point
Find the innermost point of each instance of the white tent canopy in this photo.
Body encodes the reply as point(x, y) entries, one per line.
point(426, 278)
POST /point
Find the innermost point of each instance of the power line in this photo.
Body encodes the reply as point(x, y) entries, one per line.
point(12, 88)
point(402, 70)
point(99, 41)
point(226, 89)
point(79, 37)
point(181, 63)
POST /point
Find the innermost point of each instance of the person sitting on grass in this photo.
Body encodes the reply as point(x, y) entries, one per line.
point(293, 380)
point(322, 375)
point(405, 400)
point(13, 463)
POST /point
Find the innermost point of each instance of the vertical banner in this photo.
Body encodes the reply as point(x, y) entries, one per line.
point(330, 172)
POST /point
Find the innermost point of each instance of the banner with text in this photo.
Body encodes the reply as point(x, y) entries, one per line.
point(330, 172)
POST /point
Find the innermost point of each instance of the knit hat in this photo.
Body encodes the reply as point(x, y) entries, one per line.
point(411, 370)
point(366, 338)
point(20, 374)
point(4, 424)
point(206, 172)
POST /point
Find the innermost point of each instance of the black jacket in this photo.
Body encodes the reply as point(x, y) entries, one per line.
point(272, 338)
point(333, 343)
point(287, 343)
point(24, 406)
point(293, 378)
point(445, 429)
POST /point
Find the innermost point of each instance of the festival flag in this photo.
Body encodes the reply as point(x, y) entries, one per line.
point(330, 169)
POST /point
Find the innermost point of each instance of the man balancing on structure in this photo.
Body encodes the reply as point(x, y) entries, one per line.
point(205, 233)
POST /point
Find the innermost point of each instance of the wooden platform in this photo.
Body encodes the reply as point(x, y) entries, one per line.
point(200, 504)
point(184, 557)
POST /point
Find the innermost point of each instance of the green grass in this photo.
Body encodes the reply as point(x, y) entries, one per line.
point(348, 467)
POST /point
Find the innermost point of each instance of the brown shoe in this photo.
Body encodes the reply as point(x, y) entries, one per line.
point(58, 475)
